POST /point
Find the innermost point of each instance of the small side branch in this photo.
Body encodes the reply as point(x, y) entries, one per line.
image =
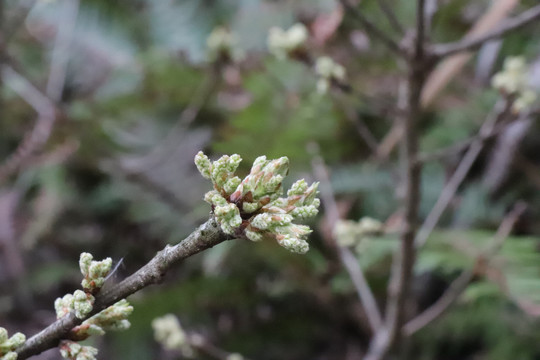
point(391, 16)
point(450, 296)
point(449, 191)
point(460, 284)
point(206, 236)
point(519, 21)
point(345, 256)
point(460, 146)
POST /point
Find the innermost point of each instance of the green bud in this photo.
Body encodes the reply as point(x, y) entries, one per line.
point(229, 217)
point(234, 161)
point(63, 306)
point(220, 171)
point(262, 221)
point(111, 319)
point(305, 212)
point(273, 184)
point(281, 220)
point(17, 340)
point(84, 262)
point(293, 244)
point(203, 164)
point(10, 356)
point(73, 351)
point(253, 235)
point(298, 188)
point(258, 164)
point(3, 335)
point(250, 207)
point(231, 185)
point(259, 195)
point(95, 330)
point(94, 271)
point(82, 303)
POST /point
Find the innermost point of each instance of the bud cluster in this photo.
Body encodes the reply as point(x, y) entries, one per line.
point(284, 43)
point(328, 71)
point(352, 233)
point(74, 351)
point(8, 345)
point(252, 207)
point(513, 81)
point(82, 302)
point(169, 333)
point(222, 44)
point(113, 318)
point(94, 272)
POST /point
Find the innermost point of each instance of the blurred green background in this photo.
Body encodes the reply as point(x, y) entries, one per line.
point(140, 98)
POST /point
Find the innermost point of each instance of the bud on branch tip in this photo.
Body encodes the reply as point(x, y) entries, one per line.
point(252, 208)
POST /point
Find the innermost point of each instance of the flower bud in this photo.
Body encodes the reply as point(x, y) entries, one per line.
point(293, 244)
point(82, 303)
point(63, 306)
point(203, 164)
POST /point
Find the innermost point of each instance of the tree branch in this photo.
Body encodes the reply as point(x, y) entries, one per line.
point(388, 337)
point(471, 43)
point(460, 146)
point(449, 191)
point(450, 296)
point(206, 236)
point(41, 103)
point(391, 16)
point(345, 256)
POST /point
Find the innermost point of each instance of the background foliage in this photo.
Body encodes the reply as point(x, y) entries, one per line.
point(117, 178)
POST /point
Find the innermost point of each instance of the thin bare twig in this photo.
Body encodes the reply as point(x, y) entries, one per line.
point(391, 16)
point(41, 103)
point(450, 296)
point(362, 129)
point(345, 256)
point(372, 28)
point(471, 43)
point(449, 191)
point(206, 236)
point(389, 336)
point(460, 284)
point(448, 69)
point(460, 146)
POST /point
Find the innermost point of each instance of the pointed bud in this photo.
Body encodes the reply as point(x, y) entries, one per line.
point(203, 164)
point(298, 188)
point(262, 221)
point(253, 235)
point(293, 244)
point(231, 184)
